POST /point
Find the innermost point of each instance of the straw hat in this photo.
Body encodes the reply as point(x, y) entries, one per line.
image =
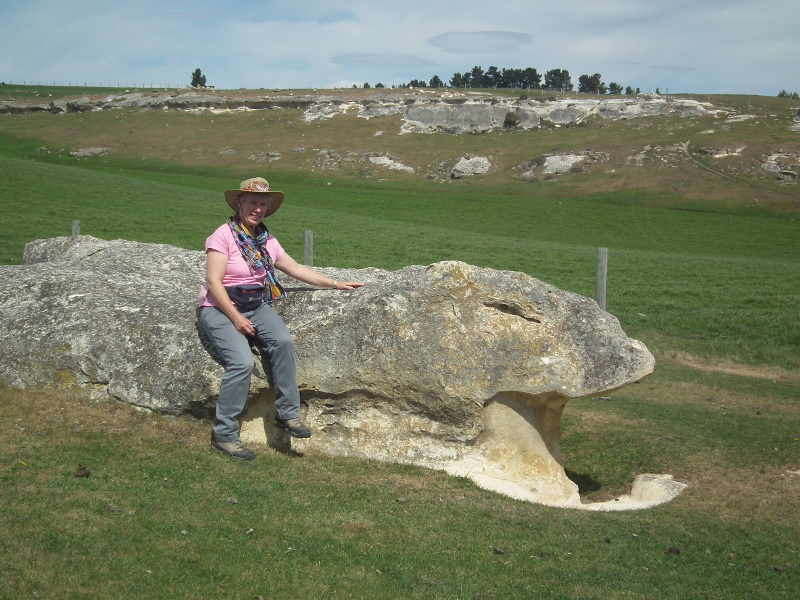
point(256, 185)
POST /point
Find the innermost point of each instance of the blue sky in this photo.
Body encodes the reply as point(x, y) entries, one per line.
point(699, 46)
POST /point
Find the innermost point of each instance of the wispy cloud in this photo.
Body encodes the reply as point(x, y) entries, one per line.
point(472, 42)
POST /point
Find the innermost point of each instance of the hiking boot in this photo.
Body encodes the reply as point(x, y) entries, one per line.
point(295, 427)
point(234, 449)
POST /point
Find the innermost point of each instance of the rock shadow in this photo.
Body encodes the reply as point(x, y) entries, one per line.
point(586, 483)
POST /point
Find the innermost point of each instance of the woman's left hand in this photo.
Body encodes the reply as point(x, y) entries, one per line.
point(348, 285)
point(307, 275)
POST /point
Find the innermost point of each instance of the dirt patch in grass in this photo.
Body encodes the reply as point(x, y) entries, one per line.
point(47, 414)
point(731, 368)
point(745, 496)
point(591, 419)
point(715, 398)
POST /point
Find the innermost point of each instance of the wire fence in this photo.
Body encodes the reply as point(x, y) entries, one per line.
point(601, 273)
point(169, 86)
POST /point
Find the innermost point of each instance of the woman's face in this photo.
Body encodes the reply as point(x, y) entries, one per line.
point(252, 208)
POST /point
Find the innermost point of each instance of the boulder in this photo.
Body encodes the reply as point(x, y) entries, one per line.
point(447, 366)
point(470, 165)
point(85, 314)
point(561, 163)
point(438, 117)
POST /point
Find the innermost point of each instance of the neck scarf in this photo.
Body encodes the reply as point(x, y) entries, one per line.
point(254, 251)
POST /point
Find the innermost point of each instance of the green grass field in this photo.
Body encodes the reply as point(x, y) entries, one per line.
point(707, 274)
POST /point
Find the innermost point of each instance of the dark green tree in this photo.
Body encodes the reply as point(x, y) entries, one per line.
point(518, 78)
point(532, 80)
point(591, 84)
point(492, 78)
point(476, 79)
point(198, 79)
point(436, 82)
point(457, 80)
point(510, 78)
point(615, 89)
point(558, 79)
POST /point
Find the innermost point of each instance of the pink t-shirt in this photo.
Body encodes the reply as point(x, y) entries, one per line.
point(238, 271)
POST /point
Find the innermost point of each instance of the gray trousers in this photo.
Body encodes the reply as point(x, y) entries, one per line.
point(234, 349)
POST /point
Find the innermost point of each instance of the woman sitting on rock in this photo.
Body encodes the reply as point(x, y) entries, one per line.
point(236, 307)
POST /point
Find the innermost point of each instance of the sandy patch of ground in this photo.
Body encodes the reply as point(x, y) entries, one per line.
point(731, 368)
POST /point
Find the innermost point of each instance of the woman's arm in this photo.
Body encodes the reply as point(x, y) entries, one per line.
point(307, 275)
point(216, 265)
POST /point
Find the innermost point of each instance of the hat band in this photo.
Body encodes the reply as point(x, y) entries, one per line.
point(256, 186)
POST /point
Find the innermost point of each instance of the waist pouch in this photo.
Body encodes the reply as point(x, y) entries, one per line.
point(247, 297)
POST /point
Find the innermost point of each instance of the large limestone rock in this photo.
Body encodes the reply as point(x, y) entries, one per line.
point(448, 366)
point(110, 318)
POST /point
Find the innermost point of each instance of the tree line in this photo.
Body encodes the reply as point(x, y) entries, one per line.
point(524, 79)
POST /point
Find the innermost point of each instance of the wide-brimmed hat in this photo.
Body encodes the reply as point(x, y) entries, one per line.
point(256, 185)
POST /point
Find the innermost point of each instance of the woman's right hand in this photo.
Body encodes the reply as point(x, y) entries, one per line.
point(242, 324)
point(216, 263)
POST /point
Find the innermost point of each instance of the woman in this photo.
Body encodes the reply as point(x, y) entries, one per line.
point(236, 308)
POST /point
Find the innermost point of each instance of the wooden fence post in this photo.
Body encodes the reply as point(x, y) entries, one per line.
point(601, 277)
point(308, 248)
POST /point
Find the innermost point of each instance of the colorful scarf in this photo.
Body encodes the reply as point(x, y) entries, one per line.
point(254, 251)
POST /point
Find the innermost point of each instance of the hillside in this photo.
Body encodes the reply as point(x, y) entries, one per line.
point(732, 151)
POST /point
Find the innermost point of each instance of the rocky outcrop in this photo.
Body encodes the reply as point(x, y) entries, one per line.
point(784, 165)
point(485, 115)
point(89, 152)
point(389, 163)
point(330, 160)
point(723, 152)
point(420, 113)
point(448, 366)
point(553, 164)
